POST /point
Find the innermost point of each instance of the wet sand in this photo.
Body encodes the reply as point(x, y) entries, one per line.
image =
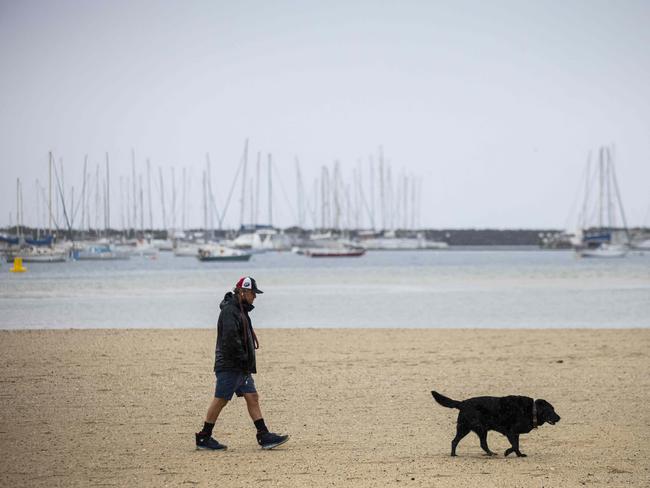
point(120, 408)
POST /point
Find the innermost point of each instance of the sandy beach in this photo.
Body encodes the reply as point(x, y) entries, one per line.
point(120, 408)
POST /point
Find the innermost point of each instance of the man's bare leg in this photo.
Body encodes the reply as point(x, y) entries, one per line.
point(215, 409)
point(253, 405)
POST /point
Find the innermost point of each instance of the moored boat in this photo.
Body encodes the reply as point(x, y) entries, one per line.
point(221, 253)
point(98, 252)
point(36, 254)
point(603, 251)
point(187, 251)
point(334, 253)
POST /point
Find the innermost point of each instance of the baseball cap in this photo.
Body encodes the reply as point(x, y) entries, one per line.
point(248, 283)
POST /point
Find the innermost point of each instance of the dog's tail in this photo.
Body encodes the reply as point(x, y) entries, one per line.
point(444, 401)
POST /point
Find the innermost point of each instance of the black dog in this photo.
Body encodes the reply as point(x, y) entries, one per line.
point(509, 415)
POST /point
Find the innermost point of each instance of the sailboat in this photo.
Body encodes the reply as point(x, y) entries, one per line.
point(599, 234)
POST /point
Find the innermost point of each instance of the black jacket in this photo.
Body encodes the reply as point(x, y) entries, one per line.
point(235, 350)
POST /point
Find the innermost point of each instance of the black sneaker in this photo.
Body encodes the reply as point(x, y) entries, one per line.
point(269, 440)
point(206, 442)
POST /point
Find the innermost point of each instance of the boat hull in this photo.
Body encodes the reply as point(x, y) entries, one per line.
point(242, 257)
point(331, 253)
point(54, 258)
point(603, 252)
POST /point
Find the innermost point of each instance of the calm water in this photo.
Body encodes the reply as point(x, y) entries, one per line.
point(382, 289)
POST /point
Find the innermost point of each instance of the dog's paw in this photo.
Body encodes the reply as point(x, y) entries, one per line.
point(521, 454)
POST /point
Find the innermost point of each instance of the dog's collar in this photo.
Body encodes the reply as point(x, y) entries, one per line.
point(535, 424)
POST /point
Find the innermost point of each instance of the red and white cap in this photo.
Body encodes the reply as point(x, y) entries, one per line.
point(248, 283)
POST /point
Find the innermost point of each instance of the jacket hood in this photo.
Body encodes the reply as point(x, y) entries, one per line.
point(230, 299)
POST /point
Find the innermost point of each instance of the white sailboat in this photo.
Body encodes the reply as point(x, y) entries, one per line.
point(38, 254)
point(600, 233)
point(390, 242)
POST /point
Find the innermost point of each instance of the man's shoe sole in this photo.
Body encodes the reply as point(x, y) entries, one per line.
point(203, 448)
point(275, 444)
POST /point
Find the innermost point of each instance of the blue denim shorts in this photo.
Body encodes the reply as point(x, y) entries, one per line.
point(230, 382)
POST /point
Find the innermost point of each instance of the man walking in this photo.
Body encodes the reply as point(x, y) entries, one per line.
point(234, 365)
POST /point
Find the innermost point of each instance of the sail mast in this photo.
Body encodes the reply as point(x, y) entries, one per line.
point(134, 220)
point(141, 206)
point(149, 195)
point(243, 186)
point(173, 199)
point(18, 207)
point(49, 204)
point(257, 189)
point(184, 200)
point(205, 207)
point(108, 197)
point(162, 198)
point(270, 193)
point(620, 203)
point(601, 186)
point(83, 197)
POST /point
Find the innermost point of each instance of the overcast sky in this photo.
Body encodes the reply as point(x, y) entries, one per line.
point(492, 106)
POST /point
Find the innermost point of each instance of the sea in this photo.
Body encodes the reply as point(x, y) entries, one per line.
point(456, 288)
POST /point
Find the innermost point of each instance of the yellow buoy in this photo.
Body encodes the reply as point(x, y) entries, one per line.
point(18, 266)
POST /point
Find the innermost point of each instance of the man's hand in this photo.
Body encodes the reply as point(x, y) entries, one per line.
point(255, 341)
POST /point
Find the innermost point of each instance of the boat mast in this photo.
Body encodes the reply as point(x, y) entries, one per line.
point(371, 163)
point(210, 196)
point(335, 195)
point(205, 206)
point(324, 197)
point(122, 203)
point(128, 231)
point(83, 197)
point(72, 210)
point(162, 198)
point(299, 194)
point(257, 188)
point(243, 186)
point(38, 210)
point(18, 207)
point(134, 198)
point(149, 195)
point(108, 197)
point(601, 186)
point(270, 193)
point(173, 199)
point(141, 206)
point(389, 186)
point(585, 203)
point(252, 201)
point(104, 207)
point(620, 203)
point(49, 204)
point(184, 200)
point(405, 209)
point(97, 200)
point(381, 189)
point(355, 186)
